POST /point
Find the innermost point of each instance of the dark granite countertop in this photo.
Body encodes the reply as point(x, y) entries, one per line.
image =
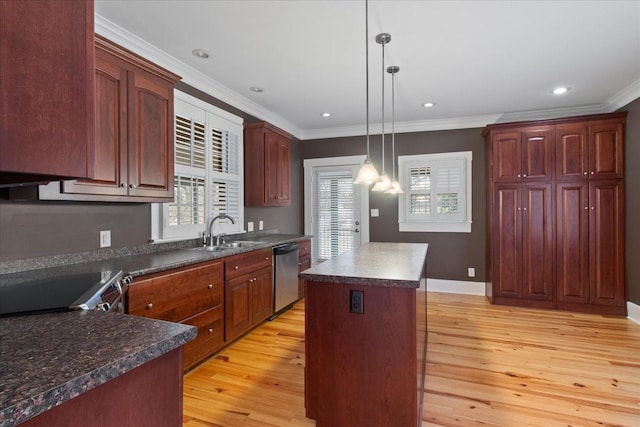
point(375, 264)
point(47, 359)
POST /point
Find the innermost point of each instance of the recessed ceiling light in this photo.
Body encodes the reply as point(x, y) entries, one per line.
point(560, 90)
point(201, 53)
point(326, 114)
point(428, 104)
point(256, 89)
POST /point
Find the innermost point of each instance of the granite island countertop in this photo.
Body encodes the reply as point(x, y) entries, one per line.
point(47, 359)
point(375, 264)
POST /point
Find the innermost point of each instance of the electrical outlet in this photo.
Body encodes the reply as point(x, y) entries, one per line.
point(356, 301)
point(250, 226)
point(471, 272)
point(105, 239)
point(260, 225)
point(375, 213)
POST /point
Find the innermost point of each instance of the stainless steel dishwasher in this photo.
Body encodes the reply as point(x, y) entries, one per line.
point(285, 277)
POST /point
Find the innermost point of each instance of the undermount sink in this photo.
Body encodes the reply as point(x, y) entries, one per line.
point(240, 244)
point(207, 248)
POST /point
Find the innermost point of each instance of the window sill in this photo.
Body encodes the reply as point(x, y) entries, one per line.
point(435, 227)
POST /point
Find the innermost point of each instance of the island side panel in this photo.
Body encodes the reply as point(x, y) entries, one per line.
point(421, 356)
point(361, 368)
point(149, 395)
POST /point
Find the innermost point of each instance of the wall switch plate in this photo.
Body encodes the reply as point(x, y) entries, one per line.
point(375, 212)
point(105, 239)
point(471, 272)
point(260, 225)
point(356, 302)
point(250, 226)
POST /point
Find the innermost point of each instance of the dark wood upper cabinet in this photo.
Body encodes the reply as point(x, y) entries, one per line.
point(46, 90)
point(267, 165)
point(134, 132)
point(522, 154)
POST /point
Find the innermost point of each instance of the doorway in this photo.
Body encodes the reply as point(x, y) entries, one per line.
point(335, 208)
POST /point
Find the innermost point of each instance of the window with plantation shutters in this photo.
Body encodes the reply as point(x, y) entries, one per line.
point(437, 192)
point(335, 213)
point(208, 177)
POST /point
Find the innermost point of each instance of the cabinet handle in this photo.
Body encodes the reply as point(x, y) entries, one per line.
point(149, 306)
point(210, 286)
point(236, 267)
point(210, 330)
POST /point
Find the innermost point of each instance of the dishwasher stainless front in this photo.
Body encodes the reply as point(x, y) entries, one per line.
point(285, 276)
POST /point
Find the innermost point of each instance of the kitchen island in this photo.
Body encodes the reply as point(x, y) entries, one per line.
point(365, 335)
point(91, 368)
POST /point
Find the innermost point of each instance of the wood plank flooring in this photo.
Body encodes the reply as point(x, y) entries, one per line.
point(487, 365)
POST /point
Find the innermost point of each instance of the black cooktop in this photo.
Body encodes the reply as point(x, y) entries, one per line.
point(53, 294)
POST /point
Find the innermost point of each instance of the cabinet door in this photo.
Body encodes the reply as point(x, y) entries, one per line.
point(507, 241)
point(572, 151)
point(537, 242)
point(210, 336)
point(237, 307)
point(506, 156)
point(537, 154)
point(47, 93)
point(277, 164)
point(150, 136)
point(111, 132)
point(572, 242)
point(262, 295)
point(606, 150)
point(606, 241)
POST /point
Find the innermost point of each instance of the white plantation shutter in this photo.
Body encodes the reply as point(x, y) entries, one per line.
point(437, 192)
point(208, 171)
point(335, 211)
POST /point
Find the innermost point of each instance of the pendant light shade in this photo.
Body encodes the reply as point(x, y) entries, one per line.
point(368, 173)
point(395, 187)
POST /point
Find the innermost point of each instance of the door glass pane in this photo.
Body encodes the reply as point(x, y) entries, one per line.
point(335, 220)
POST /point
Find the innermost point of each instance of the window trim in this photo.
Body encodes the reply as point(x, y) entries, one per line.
point(409, 225)
point(160, 232)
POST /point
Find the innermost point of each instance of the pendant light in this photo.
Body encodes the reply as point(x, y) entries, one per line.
point(395, 187)
point(384, 183)
point(368, 173)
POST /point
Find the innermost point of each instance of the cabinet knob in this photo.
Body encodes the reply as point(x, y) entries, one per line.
point(585, 173)
point(518, 175)
point(210, 330)
point(593, 173)
point(524, 209)
point(586, 207)
point(519, 208)
point(210, 286)
point(266, 258)
point(235, 267)
point(524, 176)
point(132, 186)
point(593, 207)
point(149, 306)
point(123, 184)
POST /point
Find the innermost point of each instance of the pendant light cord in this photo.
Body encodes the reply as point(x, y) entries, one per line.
point(383, 108)
point(366, 26)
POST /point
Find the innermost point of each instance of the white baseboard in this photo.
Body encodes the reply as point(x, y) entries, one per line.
point(633, 312)
point(454, 286)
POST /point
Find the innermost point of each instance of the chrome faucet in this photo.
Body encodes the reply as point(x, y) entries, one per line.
point(208, 238)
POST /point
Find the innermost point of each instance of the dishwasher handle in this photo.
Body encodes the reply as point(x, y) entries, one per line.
point(285, 249)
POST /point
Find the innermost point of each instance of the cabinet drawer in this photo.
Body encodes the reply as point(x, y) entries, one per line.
point(304, 248)
point(176, 295)
point(237, 265)
point(210, 336)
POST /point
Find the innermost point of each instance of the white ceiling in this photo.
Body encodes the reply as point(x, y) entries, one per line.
point(478, 61)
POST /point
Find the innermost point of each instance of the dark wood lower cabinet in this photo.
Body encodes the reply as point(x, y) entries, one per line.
point(149, 395)
point(248, 302)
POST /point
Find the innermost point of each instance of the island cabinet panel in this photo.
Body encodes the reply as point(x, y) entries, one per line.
point(361, 368)
point(304, 262)
point(267, 154)
point(47, 90)
point(248, 298)
point(134, 136)
point(192, 295)
point(149, 395)
point(557, 240)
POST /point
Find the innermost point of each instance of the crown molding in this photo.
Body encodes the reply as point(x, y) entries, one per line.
point(190, 75)
point(624, 97)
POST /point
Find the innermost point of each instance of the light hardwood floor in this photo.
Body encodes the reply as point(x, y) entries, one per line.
point(487, 365)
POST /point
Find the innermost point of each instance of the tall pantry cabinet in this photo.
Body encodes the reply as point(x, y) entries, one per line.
point(555, 220)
